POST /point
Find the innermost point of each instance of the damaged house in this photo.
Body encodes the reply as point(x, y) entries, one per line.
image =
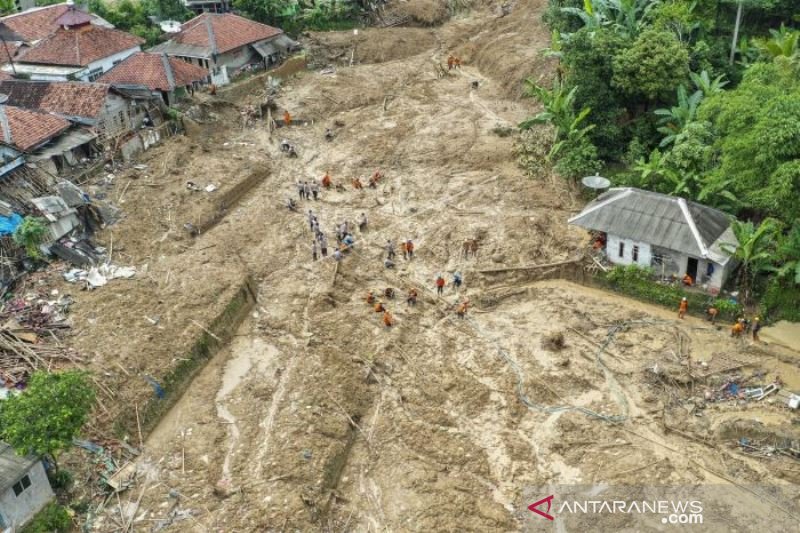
point(224, 43)
point(164, 77)
point(24, 488)
point(670, 234)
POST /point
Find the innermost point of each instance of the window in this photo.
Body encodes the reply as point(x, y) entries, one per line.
point(635, 253)
point(21, 485)
point(94, 74)
point(622, 249)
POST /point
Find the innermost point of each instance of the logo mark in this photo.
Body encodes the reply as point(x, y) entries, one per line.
point(533, 507)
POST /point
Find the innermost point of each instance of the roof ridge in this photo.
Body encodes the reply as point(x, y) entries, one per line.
point(626, 191)
point(692, 226)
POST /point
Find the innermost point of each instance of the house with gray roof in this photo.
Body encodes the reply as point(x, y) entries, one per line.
point(24, 488)
point(672, 235)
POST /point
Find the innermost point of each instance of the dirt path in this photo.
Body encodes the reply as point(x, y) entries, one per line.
point(317, 417)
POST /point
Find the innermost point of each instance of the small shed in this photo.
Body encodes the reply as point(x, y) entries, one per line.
point(24, 488)
point(672, 235)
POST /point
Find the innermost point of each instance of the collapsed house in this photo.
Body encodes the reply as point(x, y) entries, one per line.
point(165, 77)
point(672, 235)
point(225, 43)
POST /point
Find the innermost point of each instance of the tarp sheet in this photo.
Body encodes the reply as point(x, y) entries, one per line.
point(9, 224)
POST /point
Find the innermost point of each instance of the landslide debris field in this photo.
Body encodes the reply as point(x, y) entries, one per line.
point(316, 416)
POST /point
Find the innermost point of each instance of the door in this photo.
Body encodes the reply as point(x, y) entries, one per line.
point(691, 268)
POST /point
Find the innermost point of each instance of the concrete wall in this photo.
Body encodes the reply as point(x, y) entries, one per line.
point(106, 63)
point(17, 510)
point(644, 257)
point(116, 116)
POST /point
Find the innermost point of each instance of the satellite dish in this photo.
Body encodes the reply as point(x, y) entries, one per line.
point(597, 183)
point(170, 26)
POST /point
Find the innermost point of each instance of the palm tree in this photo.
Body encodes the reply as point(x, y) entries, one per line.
point(755, 251)
point(675, 119)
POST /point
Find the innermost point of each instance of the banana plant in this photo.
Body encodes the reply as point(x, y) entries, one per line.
point(559, 110)
point(783, 43)
point(706, 85)
point(675, 119)
point(627, 17)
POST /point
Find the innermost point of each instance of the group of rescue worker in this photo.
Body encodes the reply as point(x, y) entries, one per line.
point(742, 326)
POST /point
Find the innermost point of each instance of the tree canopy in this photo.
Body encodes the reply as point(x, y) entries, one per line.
point(45, 418)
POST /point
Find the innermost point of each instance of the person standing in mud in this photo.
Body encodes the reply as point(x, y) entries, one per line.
point(323, 245)
point(314, 250)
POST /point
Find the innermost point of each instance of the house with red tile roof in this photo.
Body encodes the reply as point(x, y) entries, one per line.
point(39, 22)
point(164, 76)
point(26, 130)
point(76, 50)
point(225, 43)
point(99, 106)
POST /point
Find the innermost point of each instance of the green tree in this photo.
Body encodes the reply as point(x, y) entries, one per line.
point(588, 63)
point(652, 67)
point(757, 128)
point(788, 256)
point(266, 11)
point(755, 251)
point(30, 234)
point(7, 7)
point(48, 415)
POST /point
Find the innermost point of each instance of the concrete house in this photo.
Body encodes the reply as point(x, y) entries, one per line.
point(77, 50)
point(33, 25)
point(224, 43)
point(672, 235)
point(24, 488)
point(165, 77)
point(96, 105)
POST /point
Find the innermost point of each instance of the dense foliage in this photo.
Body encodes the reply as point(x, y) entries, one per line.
point(133, 15)
point(687, 98)
point(45, 418)
point(299, 15)
point(638, 283)
point(53, 518)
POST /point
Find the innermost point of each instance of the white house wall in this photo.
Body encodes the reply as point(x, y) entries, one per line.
point(17, 510)
point(107, 62)
point(612, 250)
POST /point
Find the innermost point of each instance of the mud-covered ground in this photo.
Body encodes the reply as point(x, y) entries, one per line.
point(317, 417)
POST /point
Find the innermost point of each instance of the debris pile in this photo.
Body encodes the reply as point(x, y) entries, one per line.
point(28, 340)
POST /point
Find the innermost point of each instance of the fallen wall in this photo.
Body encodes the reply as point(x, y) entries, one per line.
point(216, 336)
point(240, 89)
point(230, 198)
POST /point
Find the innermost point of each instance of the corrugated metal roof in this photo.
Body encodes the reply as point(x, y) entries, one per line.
point(661, 220)
point(172, 48)
point(12, 466)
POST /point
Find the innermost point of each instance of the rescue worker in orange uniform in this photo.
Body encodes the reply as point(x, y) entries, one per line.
point(388, 321)
point(687, 280)
point(287, 118)
point(683, 307)
point(462, 309)
point(326, 180)
point(738, 328)
point(370, 298)
point(411, 299)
